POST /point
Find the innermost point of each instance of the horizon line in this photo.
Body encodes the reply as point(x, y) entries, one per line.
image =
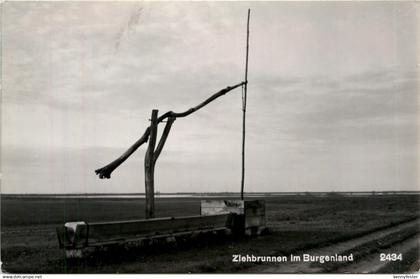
point(212, 193)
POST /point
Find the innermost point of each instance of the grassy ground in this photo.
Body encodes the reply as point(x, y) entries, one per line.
point(29, 243)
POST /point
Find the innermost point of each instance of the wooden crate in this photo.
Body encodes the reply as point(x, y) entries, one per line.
point(252, 221)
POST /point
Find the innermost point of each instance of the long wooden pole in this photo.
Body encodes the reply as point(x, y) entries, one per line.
point(244, 107)
point(105, 172)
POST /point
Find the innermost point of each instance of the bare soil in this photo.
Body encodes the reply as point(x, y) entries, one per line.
point(365, 226)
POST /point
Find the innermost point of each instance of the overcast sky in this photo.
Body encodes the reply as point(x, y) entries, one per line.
point(332, 100)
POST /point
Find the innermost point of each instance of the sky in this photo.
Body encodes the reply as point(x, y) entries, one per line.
point(332, 96)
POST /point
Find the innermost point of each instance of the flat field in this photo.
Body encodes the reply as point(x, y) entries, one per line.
point(362, 225)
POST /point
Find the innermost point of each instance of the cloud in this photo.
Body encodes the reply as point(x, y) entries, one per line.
point(332, 94)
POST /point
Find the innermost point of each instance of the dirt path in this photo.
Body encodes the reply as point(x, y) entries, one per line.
point(372, 264)
point(365, 250)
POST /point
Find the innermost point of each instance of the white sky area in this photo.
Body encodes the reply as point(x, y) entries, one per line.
point(332, 96)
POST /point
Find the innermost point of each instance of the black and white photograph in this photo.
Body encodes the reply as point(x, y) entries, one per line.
point(210, 137)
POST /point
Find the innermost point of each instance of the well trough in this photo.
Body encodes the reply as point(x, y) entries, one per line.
point(226, 217)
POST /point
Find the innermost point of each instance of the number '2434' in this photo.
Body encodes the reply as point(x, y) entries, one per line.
point(390, 257)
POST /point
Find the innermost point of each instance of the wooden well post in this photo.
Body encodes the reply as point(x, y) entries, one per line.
point(149, 167)
point(150, 158)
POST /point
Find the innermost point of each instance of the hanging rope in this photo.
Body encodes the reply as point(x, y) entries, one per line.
point(244, 92)
point(243, 96)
